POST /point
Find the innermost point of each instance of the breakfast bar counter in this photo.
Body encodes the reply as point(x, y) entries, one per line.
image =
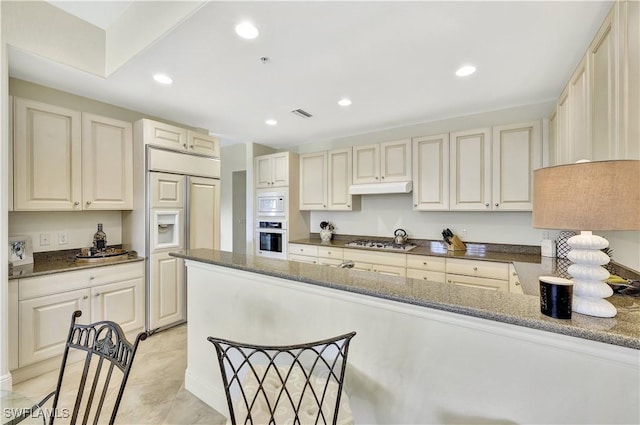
point(425, 352)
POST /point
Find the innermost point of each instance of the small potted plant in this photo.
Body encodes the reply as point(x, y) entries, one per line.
point(326, 231)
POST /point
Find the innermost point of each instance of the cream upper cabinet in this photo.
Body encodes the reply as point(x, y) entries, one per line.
point(47, 157)
point(313, 181)
point(431, 173)
point(177, 138)
point(384, 162)
point(165, 135)
point(470, 184)
point(629, 116)
point(272, 170)
point(579, 114)
point(550, 157)
point(603, 70)
point(517, 151)
point(203, 144)
point(107, 163)
point(563, 132)
point(339, 172)
point(10, 171)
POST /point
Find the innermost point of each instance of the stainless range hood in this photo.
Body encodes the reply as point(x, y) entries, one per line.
point(379, 188)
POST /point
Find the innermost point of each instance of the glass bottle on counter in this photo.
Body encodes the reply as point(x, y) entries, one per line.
point(100, 239)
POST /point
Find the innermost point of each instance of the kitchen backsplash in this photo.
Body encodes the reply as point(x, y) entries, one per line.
point(78, 227)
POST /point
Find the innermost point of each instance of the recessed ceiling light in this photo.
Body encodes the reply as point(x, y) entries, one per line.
point(163, 79)
point(344, 102)
point(271, 122)
point(247, 30)
point(465, 70)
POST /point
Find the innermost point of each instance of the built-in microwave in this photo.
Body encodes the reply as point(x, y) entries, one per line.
point(271, 239)
point(271, 204)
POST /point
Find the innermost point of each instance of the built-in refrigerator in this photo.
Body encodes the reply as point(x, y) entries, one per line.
point(176, 207)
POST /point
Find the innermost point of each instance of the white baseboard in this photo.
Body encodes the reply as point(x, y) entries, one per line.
point(206, 392)
point(6, 382)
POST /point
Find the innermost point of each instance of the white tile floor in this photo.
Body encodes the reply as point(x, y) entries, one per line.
point(155, 392)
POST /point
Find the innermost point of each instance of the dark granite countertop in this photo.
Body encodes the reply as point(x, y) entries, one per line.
point(475, 251)
point(516, 309)
point(63, 261)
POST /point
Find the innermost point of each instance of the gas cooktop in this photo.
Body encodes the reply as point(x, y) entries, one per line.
point(382, 245)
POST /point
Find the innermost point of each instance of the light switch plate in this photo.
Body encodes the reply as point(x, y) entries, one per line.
point(63, 238)
point(45, 239)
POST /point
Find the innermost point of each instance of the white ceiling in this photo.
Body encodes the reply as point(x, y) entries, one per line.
point(395, 60)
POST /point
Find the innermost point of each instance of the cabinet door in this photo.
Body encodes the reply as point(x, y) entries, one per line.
point(44, 324)
point(313, 181)
point(478, 282)
point(515, 287)
point(262, 170)
point(470, 184)
point(517, 151)
point(603, 72)
point(340, 174)
point(167, 190)
point(580, 116)
point(203, 144)
point(10, 168)
point(204, 213)
point(107, 163)
point(166, 291)
point(550, 158)
point(563, 142)
point(166, 135)
point(47, 157)
point(395, 161)
point(280, 169)
point(120, 302)
point(366, 164)
point(629, 116)
point(431, 173)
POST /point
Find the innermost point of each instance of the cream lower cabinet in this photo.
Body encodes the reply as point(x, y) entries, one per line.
point(390, 263)
point(330, 256)
point(481, 274)
point(515, 287)
point(167, 303)
point(45, 305)
point(303, 253)
point(427, 268)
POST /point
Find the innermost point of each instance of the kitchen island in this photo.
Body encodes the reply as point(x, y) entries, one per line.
point(425, 352)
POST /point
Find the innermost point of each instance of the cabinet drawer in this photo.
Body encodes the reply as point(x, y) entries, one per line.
point(389, 270)
point(329, 261)
point(478, 282)
point(486, 269)
point(330, 252)
point(382, 258)
point(428, 275)
point(61, 282)
point(303, 258)
point(301, 249)
point(423, 262)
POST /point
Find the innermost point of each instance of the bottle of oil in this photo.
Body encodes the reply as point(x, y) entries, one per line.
point(100, 239)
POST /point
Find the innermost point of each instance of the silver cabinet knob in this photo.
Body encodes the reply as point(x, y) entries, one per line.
point(324, 206)
point(486, 205)
point(85, 297)
point(517, 283)
point(382, 177)
point(91, 277)
point(475, 269)
point(348, 206)
point(415, 205)
point(184, 145)
point(497, 204)
point(98, 294)
point(75, 204)
point(88, 202)
point(376, 177)
point(191, 146)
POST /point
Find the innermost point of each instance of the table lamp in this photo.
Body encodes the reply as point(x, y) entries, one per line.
point(588, 196)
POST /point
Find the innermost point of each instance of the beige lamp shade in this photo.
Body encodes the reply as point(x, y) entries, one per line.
point(602, 195)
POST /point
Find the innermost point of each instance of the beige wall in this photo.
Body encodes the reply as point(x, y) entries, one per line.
point(232, 158)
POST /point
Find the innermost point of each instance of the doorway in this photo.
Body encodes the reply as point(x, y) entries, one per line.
point(239, 210)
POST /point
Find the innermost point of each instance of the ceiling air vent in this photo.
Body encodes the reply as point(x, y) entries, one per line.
point(301, 113)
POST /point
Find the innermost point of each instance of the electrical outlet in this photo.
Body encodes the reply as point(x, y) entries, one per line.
point(44, 239)
point(63, 238)
point(463, 233)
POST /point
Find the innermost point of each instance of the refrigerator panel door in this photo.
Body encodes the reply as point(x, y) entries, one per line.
point(204, 213)
point(167, 291)
point(166, 190)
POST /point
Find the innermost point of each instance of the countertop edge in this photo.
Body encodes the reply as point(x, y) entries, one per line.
point(544, 325)
point(76, 267)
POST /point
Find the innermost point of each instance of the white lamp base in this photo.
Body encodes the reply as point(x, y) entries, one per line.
point(589, 288)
